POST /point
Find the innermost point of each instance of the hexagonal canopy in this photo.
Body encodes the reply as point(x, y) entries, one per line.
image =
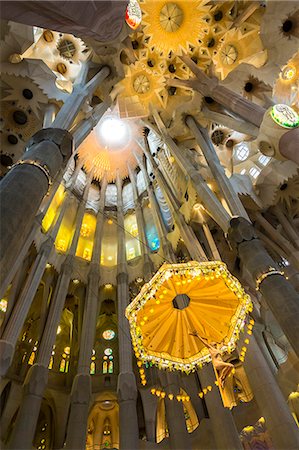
point(180, 299)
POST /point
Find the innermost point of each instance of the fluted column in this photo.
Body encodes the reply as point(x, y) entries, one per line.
point(83, 128)
point(272, 405)
point(126, 386)
point(224, 429)
point(279, 294)
point(210, 87)
point(23, 188)
point(49, 116)
point(206, 196)
point(179, 438)
point(211, 241)
point(81, 389)
point(74, 102)
point(159, 224)
point(193, 246)
point(203, 139)
point(21, 309)
point(287, 226)
point(37, 376)
point(147, 263)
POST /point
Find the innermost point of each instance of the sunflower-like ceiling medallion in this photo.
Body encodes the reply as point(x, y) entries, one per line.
point(140, 88)
point(172, 26)
point(239, 47)
point(286, 88)
point(185, 297)
point(110, 147)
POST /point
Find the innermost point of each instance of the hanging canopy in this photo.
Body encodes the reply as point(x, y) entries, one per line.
point(183, 298)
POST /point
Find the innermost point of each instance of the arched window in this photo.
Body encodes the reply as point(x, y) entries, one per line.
point(105, 366)
point(110, 366)
point(31, 358)
point(92, 368)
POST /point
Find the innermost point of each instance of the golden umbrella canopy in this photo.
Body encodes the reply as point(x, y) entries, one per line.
point(179, 299)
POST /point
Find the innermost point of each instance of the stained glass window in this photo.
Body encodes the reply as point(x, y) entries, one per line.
point(108, 335)
point(108, 351)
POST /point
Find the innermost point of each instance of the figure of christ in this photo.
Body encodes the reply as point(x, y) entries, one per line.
point(222, 368)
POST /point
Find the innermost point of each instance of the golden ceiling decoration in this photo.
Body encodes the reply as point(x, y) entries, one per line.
point(286, 88)
point(185, 297)
point(144, 87)
point(239, 47)
point(172, 26)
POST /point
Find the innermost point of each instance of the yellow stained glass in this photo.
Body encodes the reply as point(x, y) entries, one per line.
point(53, 208)
point(87, 232)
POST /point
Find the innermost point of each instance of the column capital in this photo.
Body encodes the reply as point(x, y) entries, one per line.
point(62, 138)
point(240, 230)
point(81, 389)
point(36, 380)
point(126, 387)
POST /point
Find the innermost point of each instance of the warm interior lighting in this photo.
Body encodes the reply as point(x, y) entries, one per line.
point(113, 133)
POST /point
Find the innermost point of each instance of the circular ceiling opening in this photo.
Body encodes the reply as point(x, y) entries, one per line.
point(113, 133)
point(181, 301)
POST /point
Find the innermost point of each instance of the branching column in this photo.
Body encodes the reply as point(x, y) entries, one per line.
point(272, 405)
point(82, 386)
point(159, 224)
point(210, 87)
point(280, 295)
point(23, 188)
point(193, 246)
point(126, 388)
point(37, 376)
point(225, 187)
point(206, 196)
point(147, 263)
point(224, 429)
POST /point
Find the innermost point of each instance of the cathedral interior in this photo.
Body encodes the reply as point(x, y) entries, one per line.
point(149, 207)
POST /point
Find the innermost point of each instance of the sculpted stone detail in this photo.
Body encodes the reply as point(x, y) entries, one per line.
point(126, 387)
point(240, 230)
point(81, 390)
point(36, 380)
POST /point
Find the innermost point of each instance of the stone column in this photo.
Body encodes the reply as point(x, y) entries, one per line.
point(81, 389)
point(37, 376)
point(85, 126)
point(287, 226)
point(272, 405)
point(147, 263)
point(19, 314)
point(23, 188)
point(126, 386)
point(228, 121)
point(49, 115)
point(179, 438)
point(203, 139)
point(279, 294)
point(158, 221)
point(209, 200)
point(210, 87)
point(277, 237)
point(224, 429)
point(211, 241)
point(74, 102)
point(193, 246)
point(288, 145)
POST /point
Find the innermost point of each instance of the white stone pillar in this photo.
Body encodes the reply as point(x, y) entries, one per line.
point(74, 102)
point(225, 187)
point(49, 116)
point(209, 200)
point(147, 263)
